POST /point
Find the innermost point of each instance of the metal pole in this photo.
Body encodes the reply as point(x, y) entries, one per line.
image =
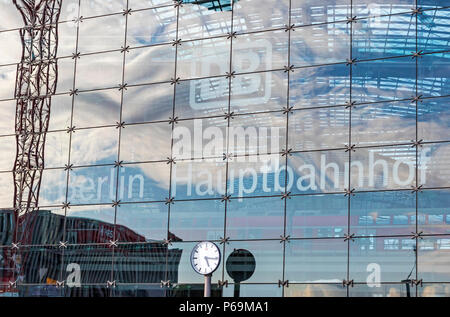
point(207, 285)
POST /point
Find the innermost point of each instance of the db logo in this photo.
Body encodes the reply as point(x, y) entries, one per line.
point(247, 89)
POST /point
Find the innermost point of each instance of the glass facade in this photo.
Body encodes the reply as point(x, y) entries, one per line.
point(313, 134)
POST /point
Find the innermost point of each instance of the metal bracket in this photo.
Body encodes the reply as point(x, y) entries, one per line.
point(286, 152)
point(125, 49)
point(111, 284)
point(231, 35)
point(283, 283)
point(66, 205)
point(417, 235)
point(289, 68)
point(63, 245)
point(123, 86)
point(126, 12)
point(416, 98)
point(173, 120)
point(113, 243)
point(230, 75)
point(416, 189)
point(417, 143)
point(224, 240)
point(226, 156)
point(350, 104)
point(70, 129)
point(349, 192)
point(351, 61)
point(115, 203)
point(347, 283)
point(167, 242)
point(289, 27)
point(15, 246)
point(120, 124)
point(349, 237)
point(225, 198)
point(229, 115)
point(416, 11)
point(287, 110)
point(165, 283)
point(222, 283)
point(76, 55)
point(68, 167)
point(284, 238)
point(60, 284)
point(350, 148)
point(286, 195)
point(171, 160)
point(351, 19)
point(174, 81)
point(417, 54)
point(118, 164)
point(176, 42)
point(169, 201)
point(73, 92)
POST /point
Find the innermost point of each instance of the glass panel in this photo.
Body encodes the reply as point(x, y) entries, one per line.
point(10, 46)
point(364, 8)
point(140, 263)
point(53, 187)
point(60, 112)
point(202, 58)
point(255, 218)
point(66, 70)
point(40, 227)
point(320, 44)
point(268, 257)
point(319, 86)
point(8, 150)
point(92, 185)
point(144, 222)
point(433, 29)
point(435, 206)
point(99, 71)
point(148, 103)
point(10, 18)
point(99, 7)
point(384, 36)
point(315, 129)
point(94, 146)
point(7, 190)
point(431, 3)
point(136, 140)
point(197, 220)
point(261, 175)
point(144, 182)
point(8, 114)
point(383, 213)
point(101, 34)
point(97, 108)
point(433, 257)
point(315, 290)
point(253, 15)
point(304, 12)
point(317, 172)
point(386, 79)
point(198, 179)
point(316, 261)
point(256, 92)
point(87, 265)
point(260, 51)
point(179, 270)
point(433, 75)
point(257, 134)
point(56, 149)
point(143, 4)
point(383, 168)
point(397, 120)
point(150, 64)
point(152, 26)
point(7, 81)
point(200, 21)
point(202, 97)
point(67, 37)
point(379, 260)
point(433, 119)
point(200, 138)
point(317, 216)
point(434, 165)
point(90, 224)
point(39, 265)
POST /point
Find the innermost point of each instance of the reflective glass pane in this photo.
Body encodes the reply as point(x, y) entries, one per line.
point(433, 256)
point(364, 8)
point(197, 220)
point(316, 129)
point(257, 92)
point(316, 261)
point(40, 265)
point(53, 187)
point(433, 119)
point(145, 222)
point(386, 259)
point(383, 213)
point(67, 38)
point(254, 15)
point(97, 108)
point(144, 182)
point(7, 81)
point(433, 30)
point(150, 64)
point(7, 190)
point(383, 168)
point(434, 290)
point(252, 290)
point(94, 146)
point(147, 103)
point(92, 185)
point(433, 205)
point(317, 172)
point(8, 150)
point(315, 290)
point(382, 290)
point(101, 34)
point(317, 216)
point(8, 112)
point(260, 51)
point(319, 86)
point(384, 36)
point(61, 112)
point(434, 165)
point(209, 57)
point(137, 139)
point(40, 227)
point(397, 120)
point(10, 46)
point(304, 12)
point(56, 149)
point(100, 7)
point(99, 71)
point(255, 218)
point(386, 79)
point(153, 26)
point(433, 75)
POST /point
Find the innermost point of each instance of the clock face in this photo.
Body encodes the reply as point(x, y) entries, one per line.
point(205, 258)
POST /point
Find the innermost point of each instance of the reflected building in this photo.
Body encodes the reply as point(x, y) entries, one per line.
point(313, 134)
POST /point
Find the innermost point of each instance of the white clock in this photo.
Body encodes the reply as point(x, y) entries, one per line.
point(205, 258)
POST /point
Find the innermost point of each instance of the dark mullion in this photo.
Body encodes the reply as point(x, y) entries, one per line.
point(416, 259)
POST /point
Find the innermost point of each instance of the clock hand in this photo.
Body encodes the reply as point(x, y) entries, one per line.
point(206, 258)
